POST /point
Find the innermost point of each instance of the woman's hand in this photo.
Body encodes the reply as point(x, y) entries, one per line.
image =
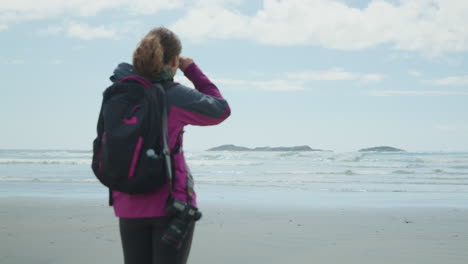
point(184, 62)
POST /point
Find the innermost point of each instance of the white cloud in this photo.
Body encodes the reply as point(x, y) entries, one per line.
point(415, 73)
point(451, 81)
point(14, 62)
point(415, 93)
point(23, 10)
point(335, 75)
point(431, 27)
point(210, 19)
point(84, 31)
point(51, 30)
point(451, 127)
point(244, 85)
point(445, 127)
point(371, 77)
point(270, 85)
point(332, 75)
point(293, 81)
point(56, 62)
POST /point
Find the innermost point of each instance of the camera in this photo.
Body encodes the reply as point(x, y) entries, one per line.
point(183, 215)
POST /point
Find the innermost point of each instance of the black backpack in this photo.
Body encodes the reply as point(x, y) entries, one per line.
point(130, 153)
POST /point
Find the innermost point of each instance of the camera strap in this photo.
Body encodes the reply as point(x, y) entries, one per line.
point(166, 152)
point(189, 187)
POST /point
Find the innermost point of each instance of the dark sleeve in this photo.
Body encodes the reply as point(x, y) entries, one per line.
point(202, 106)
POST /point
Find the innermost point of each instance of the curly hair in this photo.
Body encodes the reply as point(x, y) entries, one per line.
point(154, 51)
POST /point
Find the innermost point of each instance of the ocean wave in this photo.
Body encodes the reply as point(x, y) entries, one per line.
point(346, 157)
point(403, 172)
point(289, 154)
point(442, 159)
point(312, 183)
point(301, 172)
point(448, 178)
point(61, 154)
point(51, 153)
point(47, 161)
point(460, 167)
point(235, 155)
point(329, 172)
point(212, 157)
point(223, 163)
point(380, 165)
point(18, 179)
point(449, 171)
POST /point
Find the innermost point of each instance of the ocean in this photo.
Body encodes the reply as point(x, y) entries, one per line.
point(297, 178)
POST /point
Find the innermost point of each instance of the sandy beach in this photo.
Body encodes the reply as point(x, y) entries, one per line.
point(85, 231)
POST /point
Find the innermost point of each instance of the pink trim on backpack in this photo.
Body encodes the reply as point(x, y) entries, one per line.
point(138, 79)
point(131, 172)
point(131, 121)
point(135, 108)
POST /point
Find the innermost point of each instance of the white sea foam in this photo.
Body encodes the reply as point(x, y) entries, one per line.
point(19, 179)
point(317, 171)
point(326, 172)
point(56, 154)
point(403, 172)
point(223, 163)
point(46, 161)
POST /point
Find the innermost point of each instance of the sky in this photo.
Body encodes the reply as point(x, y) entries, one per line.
point(332, 74)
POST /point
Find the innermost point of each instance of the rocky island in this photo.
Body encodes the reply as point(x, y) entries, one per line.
point(382, 149)
point(238, 148)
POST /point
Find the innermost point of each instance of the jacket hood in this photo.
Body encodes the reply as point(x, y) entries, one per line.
point(124, 70)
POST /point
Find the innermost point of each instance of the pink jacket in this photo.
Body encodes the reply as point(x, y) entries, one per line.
point(202, 106)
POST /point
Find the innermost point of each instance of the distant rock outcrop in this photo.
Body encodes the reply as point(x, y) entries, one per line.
point(296, 148)
point(238, 148)
point(382, 149)
point(229, 148)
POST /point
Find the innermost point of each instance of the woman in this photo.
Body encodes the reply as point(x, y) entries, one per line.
point(142, 217)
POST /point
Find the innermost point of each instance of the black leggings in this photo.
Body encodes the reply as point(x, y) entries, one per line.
point(142, 244)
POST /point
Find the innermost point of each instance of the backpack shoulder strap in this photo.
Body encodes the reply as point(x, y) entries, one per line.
point(145, 82)
point(166, 148)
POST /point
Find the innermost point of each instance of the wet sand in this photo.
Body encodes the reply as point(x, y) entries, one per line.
point(86, 231)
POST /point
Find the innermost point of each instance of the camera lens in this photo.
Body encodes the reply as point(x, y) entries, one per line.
point(176, 233)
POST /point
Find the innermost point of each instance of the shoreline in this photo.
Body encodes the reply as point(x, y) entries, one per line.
point(44, 230)
point(255, 196)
